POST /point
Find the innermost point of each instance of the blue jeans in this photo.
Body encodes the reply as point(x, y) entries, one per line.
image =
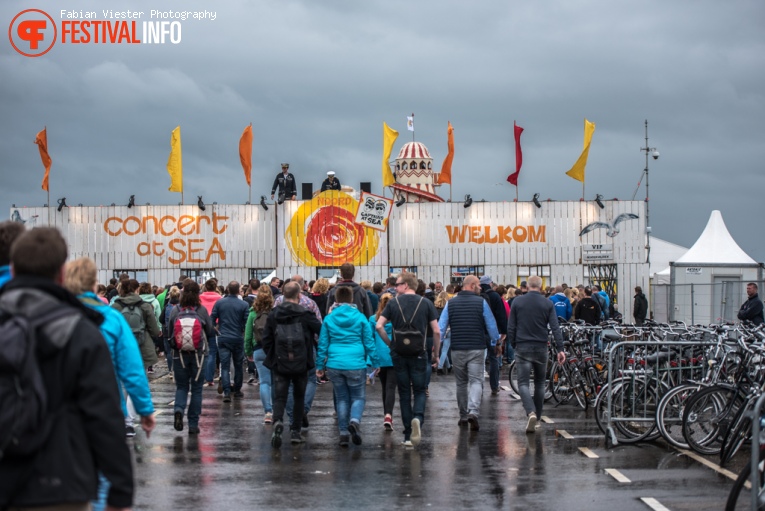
point(226, 350)
point(509, 353)
point(446, 342)
point(212, 355)
point(526, 359)
point(350, 395)
point(259, 356)
point(410, 376)
point(468, 375)
point(185, 377)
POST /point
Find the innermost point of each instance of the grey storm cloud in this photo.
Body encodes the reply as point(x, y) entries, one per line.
point(317, 79)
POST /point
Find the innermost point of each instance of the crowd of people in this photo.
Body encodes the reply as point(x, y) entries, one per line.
point(96, 345)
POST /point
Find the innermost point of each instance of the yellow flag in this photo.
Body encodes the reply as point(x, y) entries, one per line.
point(174, 162)
point(577, 171)
point(389, 137)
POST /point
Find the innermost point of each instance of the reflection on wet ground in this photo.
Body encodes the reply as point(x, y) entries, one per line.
point(231, 463)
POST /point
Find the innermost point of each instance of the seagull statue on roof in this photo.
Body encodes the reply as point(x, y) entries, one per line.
point(611, 229)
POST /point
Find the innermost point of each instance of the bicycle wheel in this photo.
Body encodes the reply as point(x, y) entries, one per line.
point(637, 401)
point(579, 389)
point(740, 429)
point(669, 414)
point(560, 386)
point(739, 496)
point(706, 418)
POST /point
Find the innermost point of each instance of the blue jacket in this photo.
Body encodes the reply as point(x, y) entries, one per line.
point(383, 350)
point(230, 314)
point(346, 340)
point(126, 356)
point(607, 309)
point(5, 275)
point(562, 306)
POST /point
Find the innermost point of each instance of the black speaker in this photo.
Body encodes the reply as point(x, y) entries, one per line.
point(366, 186)
point(307, 191)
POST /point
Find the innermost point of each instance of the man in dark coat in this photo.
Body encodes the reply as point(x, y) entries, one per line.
point(285, 181)
point(752, 310)
point(640, 307)
point(331, 183)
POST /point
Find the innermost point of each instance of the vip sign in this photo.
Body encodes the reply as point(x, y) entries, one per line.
point(374, 211)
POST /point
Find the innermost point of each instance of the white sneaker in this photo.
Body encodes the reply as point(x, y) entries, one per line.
point(416, 436)
point(407, 443)
point(532, 424)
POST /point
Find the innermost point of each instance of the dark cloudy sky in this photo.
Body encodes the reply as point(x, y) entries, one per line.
point(318, 78)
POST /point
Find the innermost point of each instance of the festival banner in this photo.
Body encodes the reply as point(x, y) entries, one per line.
point(374, 211)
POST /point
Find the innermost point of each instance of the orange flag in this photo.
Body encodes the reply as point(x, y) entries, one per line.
point(245, 153)
point(446, 168)
point(42, 144)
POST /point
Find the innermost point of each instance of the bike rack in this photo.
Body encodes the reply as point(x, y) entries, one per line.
point(618, 349)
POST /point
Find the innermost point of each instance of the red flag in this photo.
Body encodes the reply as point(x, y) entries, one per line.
point(513, 178)
point(245, 152)
point(445, 177)
point(42, 144)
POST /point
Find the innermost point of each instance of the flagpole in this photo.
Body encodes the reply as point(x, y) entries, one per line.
point(582, 189)
point(412, 126)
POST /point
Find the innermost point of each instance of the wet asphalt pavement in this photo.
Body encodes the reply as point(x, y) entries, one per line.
point(231, 464)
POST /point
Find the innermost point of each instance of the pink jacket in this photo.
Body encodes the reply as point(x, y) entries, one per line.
point(208, 299)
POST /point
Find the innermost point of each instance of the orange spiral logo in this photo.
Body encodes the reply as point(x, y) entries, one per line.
point(323, 232)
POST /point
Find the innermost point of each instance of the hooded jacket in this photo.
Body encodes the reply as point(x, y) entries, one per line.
point(146, 345)
point(562, 305)
point(640, 308)
point(152, 300)
point(89, 431)
point(125, 354)
point(383, 350)
point(346, 340)
point(286, 313)
point(208, 299)
point(360, 297)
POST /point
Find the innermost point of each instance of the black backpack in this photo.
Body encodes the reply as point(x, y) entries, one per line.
point(408, 341)
point(290, 347)
point(24, 419)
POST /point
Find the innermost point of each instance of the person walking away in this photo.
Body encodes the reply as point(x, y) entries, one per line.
point(527, 328)
point(588, 310)
point(53, 460)
point(253, 346)
point(410, 316)
point(444, 362)
point(752, 309)
point(603, 301)
point(189, 328)
point(288, 345)
point(345, 343)
point(499, 314)
point(469, 345)
point(80, 279)
point(562, 304)
point(319, 295)
point(229, 315)
point(360, 298)
point(386, 372)
point(208, 299)
point(640, 307)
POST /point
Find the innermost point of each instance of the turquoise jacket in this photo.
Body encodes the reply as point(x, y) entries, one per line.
point(5, 274)
point(126, 356)
point(383, 350)
point(346, 340)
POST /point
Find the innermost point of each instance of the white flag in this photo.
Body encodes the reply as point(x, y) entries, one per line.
point(410, 123)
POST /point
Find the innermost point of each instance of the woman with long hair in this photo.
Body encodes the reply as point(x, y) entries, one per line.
point(186, 366)
point(386, 373)
point(319, 295)
point(253, 346)
point(444, 364)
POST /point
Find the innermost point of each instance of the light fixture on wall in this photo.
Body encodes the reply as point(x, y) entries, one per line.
point(62, 204)
point(263, 202)
point(535, 200)
point(131, 201)
point(401, 201)
point(599, 201)
point(468, 201)
point(200, 203)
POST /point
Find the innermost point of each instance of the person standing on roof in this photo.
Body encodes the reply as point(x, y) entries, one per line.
point(285, 181)
point(331, 183)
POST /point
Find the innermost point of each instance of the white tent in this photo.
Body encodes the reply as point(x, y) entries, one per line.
point(707, 283)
